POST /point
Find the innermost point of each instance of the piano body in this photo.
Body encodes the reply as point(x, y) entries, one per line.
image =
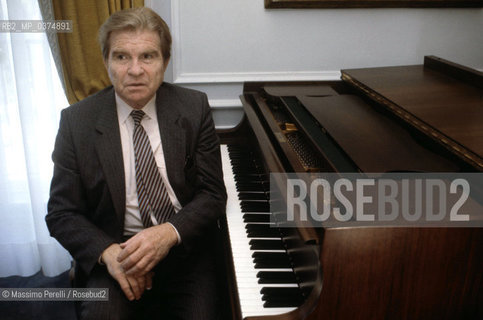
point(424, 118)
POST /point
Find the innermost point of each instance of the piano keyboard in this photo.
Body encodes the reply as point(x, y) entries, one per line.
point(265, 279)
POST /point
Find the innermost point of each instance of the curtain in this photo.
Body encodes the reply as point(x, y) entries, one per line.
point(31, 97)
point(47, 12)
point(83, 68)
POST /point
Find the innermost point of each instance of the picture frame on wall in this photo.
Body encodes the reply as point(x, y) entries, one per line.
point(274, 4)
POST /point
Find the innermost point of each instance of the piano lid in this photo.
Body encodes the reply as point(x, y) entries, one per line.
point(370, 138)
point(441, 99)
point(297, 90)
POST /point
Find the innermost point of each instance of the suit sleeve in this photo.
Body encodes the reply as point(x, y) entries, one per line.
point(199, 216)
point(67, 207)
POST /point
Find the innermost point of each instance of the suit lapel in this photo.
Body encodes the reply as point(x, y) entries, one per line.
point(109, 149)
point(172, 136)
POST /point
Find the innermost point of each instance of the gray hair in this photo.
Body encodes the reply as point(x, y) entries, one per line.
point(132, 20)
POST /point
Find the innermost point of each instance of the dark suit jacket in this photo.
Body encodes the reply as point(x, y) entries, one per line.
point(87, 198)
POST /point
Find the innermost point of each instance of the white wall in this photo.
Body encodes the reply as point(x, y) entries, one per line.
point(219, 44)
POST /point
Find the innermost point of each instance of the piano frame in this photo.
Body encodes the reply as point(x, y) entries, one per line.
point(371, 272)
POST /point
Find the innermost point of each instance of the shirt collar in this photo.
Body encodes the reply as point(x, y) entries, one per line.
point(124, 110)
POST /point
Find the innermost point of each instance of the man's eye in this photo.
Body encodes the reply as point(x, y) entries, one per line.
point(121, 57)
point(148, 56)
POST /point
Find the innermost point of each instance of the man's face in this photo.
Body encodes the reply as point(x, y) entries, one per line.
point(135, 65)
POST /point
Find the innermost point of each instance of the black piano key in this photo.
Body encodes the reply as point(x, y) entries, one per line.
point(248, 168)
point(281, 291)
point(285, 295)
point(272, 264)
point(261, 244)
point(247, 173)
point(254, 166)
point(255, 206)
point(247, 195)
point(283, 300)
point(247, 163)
point(261, 231)
point(269, 257)
point(281, 277)
point(272, 233)
point(282, 304)
point(282, 297)
point(271, 260)
point(247, 177)
point(281, 294)
point(252, 187)
point(252, 183)
point(256, 217)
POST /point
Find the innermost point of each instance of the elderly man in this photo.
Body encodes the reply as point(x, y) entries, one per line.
point(137, 186)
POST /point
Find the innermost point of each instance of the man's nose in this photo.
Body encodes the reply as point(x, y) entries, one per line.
point(135, 68)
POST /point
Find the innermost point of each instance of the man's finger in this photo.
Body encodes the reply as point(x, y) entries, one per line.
point(141, 283)
point(131, 260)
point(127, 250)
point(151, 265)
point(126, 288)
point(135, 287)
point(149, 280)
point(138, 269)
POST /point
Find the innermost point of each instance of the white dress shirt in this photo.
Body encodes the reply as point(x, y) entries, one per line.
point(132, 219)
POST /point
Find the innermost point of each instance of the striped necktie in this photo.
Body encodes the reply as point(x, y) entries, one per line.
point(152, 195)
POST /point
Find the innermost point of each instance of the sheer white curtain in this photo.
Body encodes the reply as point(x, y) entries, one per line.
point(31, 98)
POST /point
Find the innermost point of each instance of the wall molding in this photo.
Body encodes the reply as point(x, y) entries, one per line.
point(227, 113)
point(181, 77)
point(240, 77)
point(225, 103)
point(176, 55)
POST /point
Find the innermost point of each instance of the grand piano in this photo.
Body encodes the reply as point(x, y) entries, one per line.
point(422, 118)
